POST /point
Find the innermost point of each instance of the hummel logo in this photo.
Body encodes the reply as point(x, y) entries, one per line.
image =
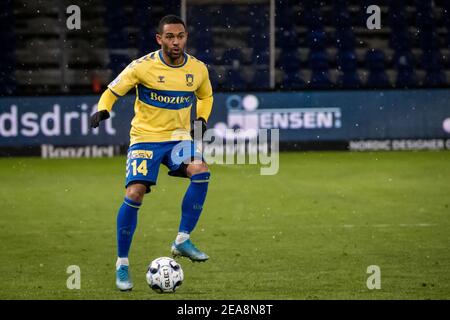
point(161, 79)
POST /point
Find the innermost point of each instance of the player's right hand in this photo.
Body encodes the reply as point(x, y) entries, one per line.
point(97, 117)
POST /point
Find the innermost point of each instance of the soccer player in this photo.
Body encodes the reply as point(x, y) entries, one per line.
point(166, 82)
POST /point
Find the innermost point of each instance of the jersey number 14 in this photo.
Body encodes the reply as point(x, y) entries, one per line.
point(142, 168)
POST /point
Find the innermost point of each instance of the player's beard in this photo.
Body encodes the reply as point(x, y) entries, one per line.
point(174, 55)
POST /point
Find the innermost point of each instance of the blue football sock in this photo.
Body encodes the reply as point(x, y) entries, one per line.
point(126, 224)
point(193, 200)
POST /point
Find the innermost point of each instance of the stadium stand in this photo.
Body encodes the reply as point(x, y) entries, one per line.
point(319, 44)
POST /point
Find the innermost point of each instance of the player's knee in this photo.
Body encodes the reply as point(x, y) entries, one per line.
point(136, 193)
point(196, 169)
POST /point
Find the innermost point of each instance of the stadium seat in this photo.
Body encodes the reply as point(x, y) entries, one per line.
point(341, 17)
point(320, 79)
point(429, 40)
point(406, 77)
point(289, 60)
point(402, 58)
point(292, 80)
point(7, 54)
point(203, 41)
point(318, 60)
point(228, 16)
point(205, 56)
point(261, 79)
point(436, 78)
point(319, 70)
point(375, 59)
point(259, 16)
point(431, 60)
point(235, 81)
point(316, 39)
point(375, 63)
point(287, 39)
point(347, 64)
point(118, 62)
point(400, 40)
point(214, 78)
point(346, 61)
point(286, 15)
point(261, 57)
point(349, 80)
point(404, 63)
point(231, 56)
point(313, 20)
point(345, 39)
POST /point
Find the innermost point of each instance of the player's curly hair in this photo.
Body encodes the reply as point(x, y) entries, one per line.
point(169, 19)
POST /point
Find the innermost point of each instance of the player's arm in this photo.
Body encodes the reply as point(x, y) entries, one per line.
point(204, 103)
point(126, 80)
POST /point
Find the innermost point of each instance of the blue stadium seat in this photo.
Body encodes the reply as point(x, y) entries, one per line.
point(320, 79)
point(397, 17)
point(435, 78)
point(341, 18)
point(319, 64)
point(259, 41)
point(345, 39)
point(228, 16)
point(214, 77)
point(375, 63)
point(316, 39)
point(348, 65)
point(203, 40)
point(378, 79)
point(318, 60)
point(375, 59)
point(118, 62)
point(261, 79)
point(346, 61)
point(259, 17)
point(349, 79)
point(235, 81)
point(7, 53)
point(231, 55)
point(292, 80)
point(289, 60)
point(205, 56)
point(117, 39)
point(404, 63)
point(313, 20)
point(397, 5)
point(261, 57)
point(287, 39)
point(285, 15)
point(406, 77)
point(429, 40)
point(432, 60)
point(400, 40)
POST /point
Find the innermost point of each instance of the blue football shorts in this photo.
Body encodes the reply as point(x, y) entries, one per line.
point(144, 160)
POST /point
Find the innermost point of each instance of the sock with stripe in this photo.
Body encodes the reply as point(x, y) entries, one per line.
point(193, 201)
point(126, 224)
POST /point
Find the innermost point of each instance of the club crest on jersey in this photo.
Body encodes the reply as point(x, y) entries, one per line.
point(189, 80)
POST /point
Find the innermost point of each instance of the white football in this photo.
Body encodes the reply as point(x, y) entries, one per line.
point(164, 275)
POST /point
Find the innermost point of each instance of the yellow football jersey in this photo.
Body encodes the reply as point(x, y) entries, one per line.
point(164, 96)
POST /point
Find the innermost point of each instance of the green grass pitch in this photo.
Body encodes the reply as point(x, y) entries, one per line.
point(309, 232)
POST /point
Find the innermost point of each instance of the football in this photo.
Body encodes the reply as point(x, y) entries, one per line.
point(164, 275)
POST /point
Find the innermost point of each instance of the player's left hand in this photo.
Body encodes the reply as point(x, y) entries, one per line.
point(198, 125)
point(97, 117)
